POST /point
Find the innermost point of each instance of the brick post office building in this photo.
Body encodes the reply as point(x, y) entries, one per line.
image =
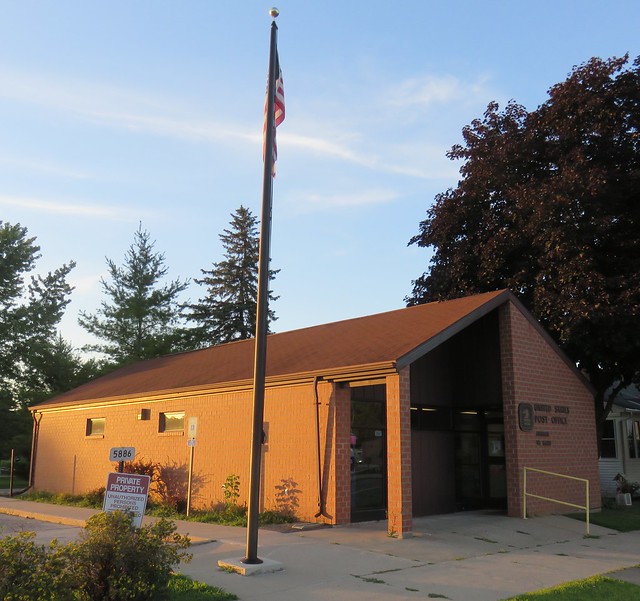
point(424, 410)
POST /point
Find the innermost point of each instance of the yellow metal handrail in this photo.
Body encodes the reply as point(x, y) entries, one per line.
point(528, 494)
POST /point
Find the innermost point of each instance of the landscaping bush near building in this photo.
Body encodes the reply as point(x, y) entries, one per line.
point(168, 483)
point(166, 501)
point(112, 561)
point(33, 572)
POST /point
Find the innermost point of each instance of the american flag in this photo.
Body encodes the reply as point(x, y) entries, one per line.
point(278, 115)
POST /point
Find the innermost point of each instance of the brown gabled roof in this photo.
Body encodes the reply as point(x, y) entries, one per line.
point(390, 340)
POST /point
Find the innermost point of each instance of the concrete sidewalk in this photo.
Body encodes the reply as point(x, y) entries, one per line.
point(475, 556)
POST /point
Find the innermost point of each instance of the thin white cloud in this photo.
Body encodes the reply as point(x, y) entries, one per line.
point(71, 209)
point(45, 167)
point(353, 136)
point(429, 90)
point(416, 160)
point(114, 106)
point(313, 202)
point(425, 91)
point(174, 127)
point(328, 146)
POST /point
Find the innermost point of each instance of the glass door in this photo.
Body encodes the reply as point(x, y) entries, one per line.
point(368, 453)
point(480, 459)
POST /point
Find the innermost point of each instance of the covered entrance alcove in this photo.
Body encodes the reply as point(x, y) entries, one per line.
point(457, 428)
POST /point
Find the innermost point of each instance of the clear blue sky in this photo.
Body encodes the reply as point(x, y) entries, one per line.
point(115, 113)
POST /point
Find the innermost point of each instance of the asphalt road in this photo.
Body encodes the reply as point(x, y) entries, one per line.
point(45, 531)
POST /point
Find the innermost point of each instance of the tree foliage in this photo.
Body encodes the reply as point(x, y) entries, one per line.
point(140, 317)
point(32, 572)
point(228, 311)
point(548, 205)
point(113, 561)
point(31, 307)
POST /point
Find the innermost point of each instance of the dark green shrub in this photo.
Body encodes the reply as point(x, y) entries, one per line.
point(114, 561)
point(32, 572)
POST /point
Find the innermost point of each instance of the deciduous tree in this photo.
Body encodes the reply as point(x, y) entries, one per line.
point(548, 205)
point(31, 307)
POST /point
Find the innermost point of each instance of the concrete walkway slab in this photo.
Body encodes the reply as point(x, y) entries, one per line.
point(475, 556)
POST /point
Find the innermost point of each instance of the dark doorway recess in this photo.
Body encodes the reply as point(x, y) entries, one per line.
point(457, 438)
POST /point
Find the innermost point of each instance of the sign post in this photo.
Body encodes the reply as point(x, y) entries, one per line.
point(191, 443)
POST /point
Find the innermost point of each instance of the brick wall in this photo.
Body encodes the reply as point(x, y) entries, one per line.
point(342, 467)
point(563, 438)
point(69, 461)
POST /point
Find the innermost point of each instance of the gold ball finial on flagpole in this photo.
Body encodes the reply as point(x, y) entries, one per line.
point(274, 12)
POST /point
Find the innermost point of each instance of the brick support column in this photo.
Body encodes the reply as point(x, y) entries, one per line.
point(342, 398)
point(510, 412)
point(399, 485)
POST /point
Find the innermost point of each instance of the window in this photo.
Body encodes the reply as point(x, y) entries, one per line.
point(633, 438)
point(608, 449)
point(172, 421)
point(95, 426)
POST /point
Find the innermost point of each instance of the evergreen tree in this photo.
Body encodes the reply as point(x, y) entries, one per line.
point(140, 319)
point(29, 315)
point(228, 311)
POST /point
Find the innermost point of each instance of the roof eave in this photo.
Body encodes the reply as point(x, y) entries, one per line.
point(338, 374)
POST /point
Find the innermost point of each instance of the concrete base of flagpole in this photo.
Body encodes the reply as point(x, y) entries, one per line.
point(250, 569)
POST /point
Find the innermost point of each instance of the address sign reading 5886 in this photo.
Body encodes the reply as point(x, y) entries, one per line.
point(122, 454)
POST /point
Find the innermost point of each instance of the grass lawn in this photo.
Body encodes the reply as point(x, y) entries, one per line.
point(598, 588)
point(182, 588)
point(622, 519)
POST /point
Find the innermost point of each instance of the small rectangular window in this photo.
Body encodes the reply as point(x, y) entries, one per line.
point(172, 421)
point(633, 438)
point(608, 446)
point(95, 426)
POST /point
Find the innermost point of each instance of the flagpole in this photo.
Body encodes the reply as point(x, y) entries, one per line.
point(260, 358)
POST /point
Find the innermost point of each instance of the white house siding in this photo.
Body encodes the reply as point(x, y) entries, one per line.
point(609, 468)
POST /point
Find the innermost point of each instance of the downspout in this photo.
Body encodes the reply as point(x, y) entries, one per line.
point(316, 398)
point(37, 416)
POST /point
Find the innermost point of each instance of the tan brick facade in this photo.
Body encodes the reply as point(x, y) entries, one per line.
point(563, 439)
point(290, 463)
point(307, 453)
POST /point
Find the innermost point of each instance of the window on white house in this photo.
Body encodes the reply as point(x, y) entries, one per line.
point(95, 426)
point(633, 438)
point(608, 449)
point(172, 421)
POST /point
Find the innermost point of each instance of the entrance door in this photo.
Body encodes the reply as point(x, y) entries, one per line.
point(480, 459)
point(368, 453)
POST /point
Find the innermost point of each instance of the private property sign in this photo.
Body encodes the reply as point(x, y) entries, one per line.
point(127, 492)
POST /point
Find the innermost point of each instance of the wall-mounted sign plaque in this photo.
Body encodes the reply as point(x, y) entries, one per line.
point(525, 417)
